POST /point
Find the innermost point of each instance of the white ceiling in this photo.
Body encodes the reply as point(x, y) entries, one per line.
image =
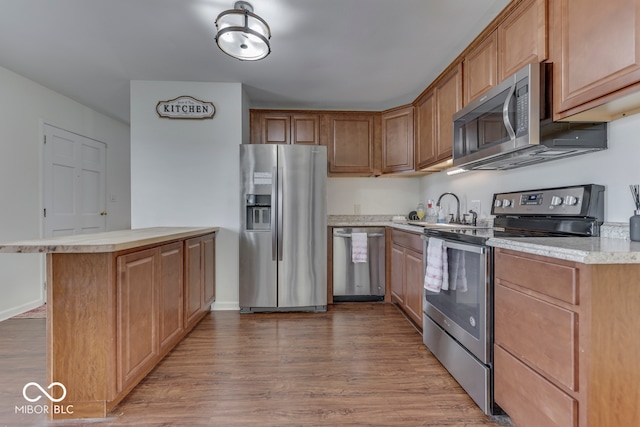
point(326, 54)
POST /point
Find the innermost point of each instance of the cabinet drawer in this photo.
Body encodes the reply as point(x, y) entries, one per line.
point(542, 334)
point(529, 399)
point(407, 240)
point(552, 279)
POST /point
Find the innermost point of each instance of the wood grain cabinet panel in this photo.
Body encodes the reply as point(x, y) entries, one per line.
point(199, 277)
point(596, 52)
point(426, 130)
point(284, 127)
point(434, 124)
point(397, 140)
point(522, 37)
point(555, 278)
point(480, 68)
point(171, 295)
point(137, 315)
point(351, 143)
point(565, 341)
point(448, 102)
point(543, 335)
point(528, 398)
point(407, 273)
point(397, 274)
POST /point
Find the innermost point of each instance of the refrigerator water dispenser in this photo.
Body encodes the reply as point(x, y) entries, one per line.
point(258, 211)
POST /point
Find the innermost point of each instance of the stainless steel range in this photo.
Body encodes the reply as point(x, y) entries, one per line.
point(458, 295)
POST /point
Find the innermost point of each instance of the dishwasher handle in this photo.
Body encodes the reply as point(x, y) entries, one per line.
point(348, 235)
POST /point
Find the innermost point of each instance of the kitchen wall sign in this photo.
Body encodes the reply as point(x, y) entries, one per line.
point(185, 107)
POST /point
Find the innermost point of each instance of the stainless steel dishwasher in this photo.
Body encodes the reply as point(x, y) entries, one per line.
point(358, 281)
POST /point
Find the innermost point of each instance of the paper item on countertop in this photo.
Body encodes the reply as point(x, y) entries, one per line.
point(358, 247)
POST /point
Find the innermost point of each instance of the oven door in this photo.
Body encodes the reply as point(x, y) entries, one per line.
point(463, 309)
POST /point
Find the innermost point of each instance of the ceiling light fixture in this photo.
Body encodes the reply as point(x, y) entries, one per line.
point(243, 34)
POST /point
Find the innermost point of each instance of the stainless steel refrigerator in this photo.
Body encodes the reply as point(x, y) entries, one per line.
point(283, 228)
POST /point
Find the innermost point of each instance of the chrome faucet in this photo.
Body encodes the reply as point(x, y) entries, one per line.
point(457, 218)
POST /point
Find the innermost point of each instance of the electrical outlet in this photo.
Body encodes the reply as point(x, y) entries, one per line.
point(476, 206)
point(356, 209)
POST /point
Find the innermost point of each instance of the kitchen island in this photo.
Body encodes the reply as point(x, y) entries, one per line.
point(117, 303)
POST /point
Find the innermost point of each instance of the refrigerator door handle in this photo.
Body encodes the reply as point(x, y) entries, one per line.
point(274, 213)
point(280, 208)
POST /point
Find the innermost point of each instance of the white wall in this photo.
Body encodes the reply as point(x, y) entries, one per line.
point(186, 172)
point(615, 168)
point(25, 107)
point(376, 196)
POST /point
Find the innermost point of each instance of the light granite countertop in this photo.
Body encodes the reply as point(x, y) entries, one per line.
point(613, 247)
point(109, 241)
point(587, 250)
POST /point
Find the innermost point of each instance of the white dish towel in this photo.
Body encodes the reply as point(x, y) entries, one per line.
point(359, 247)
point(436, 277)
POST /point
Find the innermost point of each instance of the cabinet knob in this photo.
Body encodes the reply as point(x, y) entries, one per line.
point(103, 213)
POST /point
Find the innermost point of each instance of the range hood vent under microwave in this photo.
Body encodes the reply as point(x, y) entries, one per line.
point(511, 127)
point(563, 139)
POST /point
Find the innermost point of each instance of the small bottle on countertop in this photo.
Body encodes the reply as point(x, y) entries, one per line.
point(441, 218)
point(634, 226)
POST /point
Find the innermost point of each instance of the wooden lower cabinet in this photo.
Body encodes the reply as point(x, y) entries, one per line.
point(122, 311)
point(199, 277)
point(406, 273)
point(566, 342)
point(137, 315)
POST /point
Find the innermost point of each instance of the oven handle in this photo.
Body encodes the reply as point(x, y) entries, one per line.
point(455, 245)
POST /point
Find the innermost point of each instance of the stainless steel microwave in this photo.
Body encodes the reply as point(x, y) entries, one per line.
point(511, 126)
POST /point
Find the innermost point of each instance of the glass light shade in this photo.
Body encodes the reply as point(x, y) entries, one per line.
point(243, 35)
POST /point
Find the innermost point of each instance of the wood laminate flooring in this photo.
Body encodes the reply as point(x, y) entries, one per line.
point(359, 364)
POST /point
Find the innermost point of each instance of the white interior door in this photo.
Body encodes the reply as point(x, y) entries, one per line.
point(74, 183)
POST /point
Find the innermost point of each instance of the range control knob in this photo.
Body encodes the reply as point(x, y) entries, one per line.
point(506, 203)
point(571, 200)
point(497, 203)
point(556, 201)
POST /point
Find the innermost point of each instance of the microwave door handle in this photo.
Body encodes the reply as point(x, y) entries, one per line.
point(505, 113)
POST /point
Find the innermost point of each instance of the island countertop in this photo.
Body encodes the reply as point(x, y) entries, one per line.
point(109, 241)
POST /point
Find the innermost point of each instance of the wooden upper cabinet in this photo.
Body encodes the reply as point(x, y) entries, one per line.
point(481, 68)
point(350, 144)
point(434, 118)
point(305, 129)
point(397, 140)
point(596, 53)
point(275, 127)
point(448, 102)
point(425, 150)
point(519, 39)
point(522, 37)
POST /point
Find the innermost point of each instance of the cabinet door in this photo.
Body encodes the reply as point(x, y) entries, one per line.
point(193, 280)
point(209, 264)
point(397, 274)
point(350, 141)
point(481, 68)
point(426, 130)
point(275, 128)
point(305, 129)
point(397, 140)
point(449, 101)
point(414, 279)
point(170, 295)
point(137, 315)
point(522, 37)
point(596, 51)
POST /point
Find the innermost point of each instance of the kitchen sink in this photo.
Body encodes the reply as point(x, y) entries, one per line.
point(447, 226)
